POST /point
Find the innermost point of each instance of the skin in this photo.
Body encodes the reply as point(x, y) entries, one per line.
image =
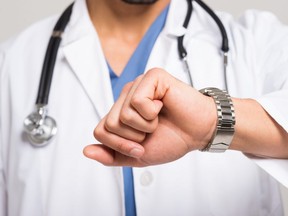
point(121, 26)
point(140, 1)
point(147, 125)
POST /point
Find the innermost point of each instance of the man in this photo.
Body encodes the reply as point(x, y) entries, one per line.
point(107, 44)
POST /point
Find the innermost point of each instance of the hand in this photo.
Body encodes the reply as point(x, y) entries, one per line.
point(157, 119)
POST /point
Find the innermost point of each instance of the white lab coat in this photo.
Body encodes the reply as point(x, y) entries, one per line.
point(58, 180)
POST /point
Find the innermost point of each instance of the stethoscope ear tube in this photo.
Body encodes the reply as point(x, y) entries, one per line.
point(47, 71)
point(181, 49)
point(225, 42)
point(50, 57)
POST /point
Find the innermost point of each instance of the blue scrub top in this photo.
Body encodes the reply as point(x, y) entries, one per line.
point(135, 67)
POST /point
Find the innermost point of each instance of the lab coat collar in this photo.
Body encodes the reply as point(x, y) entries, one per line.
point(83, 52)
point(200, 20)
point(80, 23)
point(175, 20)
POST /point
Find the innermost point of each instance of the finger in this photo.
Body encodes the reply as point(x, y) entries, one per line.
point(113, 124)
point(131, 117)
point(146, 98)
point(109, 157)
point(117, 143)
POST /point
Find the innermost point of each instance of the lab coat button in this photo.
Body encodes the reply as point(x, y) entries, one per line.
point(146, 178)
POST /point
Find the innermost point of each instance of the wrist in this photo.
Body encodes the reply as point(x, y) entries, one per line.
point(210, 123)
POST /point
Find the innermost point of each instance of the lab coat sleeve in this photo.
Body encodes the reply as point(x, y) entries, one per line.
point(271, 49)
point(3, 194)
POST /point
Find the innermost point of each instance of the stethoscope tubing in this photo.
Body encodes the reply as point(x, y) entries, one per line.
point(38, 121)
point(225, 42)
point(50, 57)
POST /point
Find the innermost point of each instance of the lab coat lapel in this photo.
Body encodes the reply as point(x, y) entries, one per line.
point(87, 62)
point(165, 53)
point(83, 52)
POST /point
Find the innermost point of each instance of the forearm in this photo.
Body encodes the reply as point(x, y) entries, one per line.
point(256, 132)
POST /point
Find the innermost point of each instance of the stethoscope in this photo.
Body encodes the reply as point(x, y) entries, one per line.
point(41, 128)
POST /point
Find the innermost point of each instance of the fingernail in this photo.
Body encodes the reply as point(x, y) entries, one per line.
point(136, 153)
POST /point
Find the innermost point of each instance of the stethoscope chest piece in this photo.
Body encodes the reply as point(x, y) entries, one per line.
point(39, 127)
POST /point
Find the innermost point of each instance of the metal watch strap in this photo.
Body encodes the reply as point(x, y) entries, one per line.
point(224, 132)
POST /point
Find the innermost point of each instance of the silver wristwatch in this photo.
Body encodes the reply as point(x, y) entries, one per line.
point(224, 132)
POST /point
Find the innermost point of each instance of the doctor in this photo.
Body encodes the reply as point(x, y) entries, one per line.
point(105, 45)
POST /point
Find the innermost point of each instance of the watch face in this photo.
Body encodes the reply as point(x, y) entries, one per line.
point(140, 1)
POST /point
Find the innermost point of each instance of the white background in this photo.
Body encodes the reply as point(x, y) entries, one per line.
point(15, 15)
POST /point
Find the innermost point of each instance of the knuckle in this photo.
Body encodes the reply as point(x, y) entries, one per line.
point(127, 87)
point(121, 147)
point(136, 101)
point(153, 126)
point(141, 137)
point(155, 72)
point(139, 78)
point(98, 133)
point(152, 115)
point(126, 116)
point(111, 124)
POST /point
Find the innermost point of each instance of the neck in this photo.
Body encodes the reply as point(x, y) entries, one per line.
point(121, 26)
point(116, 15)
